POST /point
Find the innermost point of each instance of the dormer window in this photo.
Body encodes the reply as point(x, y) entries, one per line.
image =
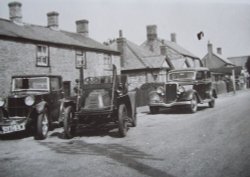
point(42, 56)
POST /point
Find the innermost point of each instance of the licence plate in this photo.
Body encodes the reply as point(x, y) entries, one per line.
point(13, 128)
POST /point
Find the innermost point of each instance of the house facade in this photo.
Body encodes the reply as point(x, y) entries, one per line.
point(180, 57)
point(33, 49)
point(140, 65)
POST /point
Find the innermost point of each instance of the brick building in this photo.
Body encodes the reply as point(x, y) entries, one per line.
point(32, 49)
point(180, 57)
point(140, 65)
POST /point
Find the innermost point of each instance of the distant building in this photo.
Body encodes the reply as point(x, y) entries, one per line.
point(180, 57)
point(140, 65)
point(33, 49)
point(239, 60)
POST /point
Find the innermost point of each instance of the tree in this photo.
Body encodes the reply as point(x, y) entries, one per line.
point(248, 64)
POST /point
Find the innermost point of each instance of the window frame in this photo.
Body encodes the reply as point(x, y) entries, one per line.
point(42, 56)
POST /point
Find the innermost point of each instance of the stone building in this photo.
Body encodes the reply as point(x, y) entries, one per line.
point(140, 65)
point(33, 49)
point(180, 57)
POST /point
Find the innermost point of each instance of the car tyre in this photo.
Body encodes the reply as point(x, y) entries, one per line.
point(134, 121)
point(211, 103)
point(42, 128)
point(154, 110)
point(122, 120)
point(69, 129)
point(194, 104)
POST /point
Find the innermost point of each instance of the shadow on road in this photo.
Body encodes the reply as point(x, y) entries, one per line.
point(105, 130)
point(122, 154)
point(178, 110)
point(15, 136)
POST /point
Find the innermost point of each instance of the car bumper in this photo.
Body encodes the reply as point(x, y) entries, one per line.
point(12, 124)
point(169, 105)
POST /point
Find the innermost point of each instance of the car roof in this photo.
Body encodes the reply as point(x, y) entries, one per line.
point(36, 75)
point(191, 69)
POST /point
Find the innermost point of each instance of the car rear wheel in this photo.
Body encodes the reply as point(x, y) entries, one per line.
point(154, 110)
point(42, 125)
point(69, 129)
point(211, 103)
point(122, 120)
point(194, 104)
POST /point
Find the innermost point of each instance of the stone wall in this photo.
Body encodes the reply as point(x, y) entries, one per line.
point(18, 58)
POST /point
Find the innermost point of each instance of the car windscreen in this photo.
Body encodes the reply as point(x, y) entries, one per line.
point(36, 83)
point(181, 76)
point(99, 80)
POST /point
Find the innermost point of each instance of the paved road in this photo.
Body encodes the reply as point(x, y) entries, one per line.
point(210, 143)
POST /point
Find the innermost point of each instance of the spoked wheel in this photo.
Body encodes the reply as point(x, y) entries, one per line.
point(122, 120)
point(154, 109)
point(194, 104)
point(69, 129)
point(42, 125)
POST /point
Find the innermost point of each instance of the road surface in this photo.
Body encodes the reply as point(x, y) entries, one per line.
point(214, 142)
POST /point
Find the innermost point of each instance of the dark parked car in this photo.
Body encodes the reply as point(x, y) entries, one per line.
point(101, 101)
point(185, 88)
point(33, 105)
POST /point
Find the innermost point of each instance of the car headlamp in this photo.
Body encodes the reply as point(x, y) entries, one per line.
point(160, 90)
point(29, 100)
point(2, 102)
point(181, 89)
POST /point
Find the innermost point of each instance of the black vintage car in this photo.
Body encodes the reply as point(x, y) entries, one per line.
point(33, 105)
point(184, 88)
point(101, 101)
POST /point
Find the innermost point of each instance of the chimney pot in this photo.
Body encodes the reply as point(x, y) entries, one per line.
point(219, 50)
point(53, 20)
point(173, 37)
point(82, 27)
point(15, 11)
point(151, 32)
point(120, 33)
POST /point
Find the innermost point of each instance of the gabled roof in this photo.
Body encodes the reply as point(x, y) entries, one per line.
point(173, 45)
point(138, 58)
point(216, 61)
point(47, 35)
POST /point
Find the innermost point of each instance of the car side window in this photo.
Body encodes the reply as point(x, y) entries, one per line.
point(55, 84)
point(200, 75)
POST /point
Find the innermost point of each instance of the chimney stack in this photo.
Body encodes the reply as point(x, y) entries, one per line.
point(15, 12)
point(219, 50)
point(53, 20)
point(82, 27)
point(121, 47)
point(173, 37)
point(151, 32)
point(210, 48)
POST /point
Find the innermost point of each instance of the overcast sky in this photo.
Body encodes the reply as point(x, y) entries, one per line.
point(226, 23)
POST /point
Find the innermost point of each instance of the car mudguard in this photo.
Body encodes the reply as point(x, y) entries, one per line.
point(188, 95)
point(40, 106)
point(132, 98)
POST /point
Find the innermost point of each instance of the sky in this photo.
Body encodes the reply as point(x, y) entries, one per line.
point(225, 23)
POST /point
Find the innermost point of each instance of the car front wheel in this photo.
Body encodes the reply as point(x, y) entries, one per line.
point(154, 110)
point(122, 120)
point(69, 129)
point(42, 125)
point(194, 104)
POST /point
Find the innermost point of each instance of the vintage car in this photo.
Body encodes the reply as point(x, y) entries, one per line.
point(184, 88)
point(33, 105)
point(101, 101)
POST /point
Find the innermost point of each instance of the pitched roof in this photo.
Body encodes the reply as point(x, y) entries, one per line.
point(45, 34)
point(173, 45)
point(138, 58)
point(216, 61)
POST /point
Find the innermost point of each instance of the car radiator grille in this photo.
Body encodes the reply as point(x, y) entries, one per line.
point(171, 92)
point(17, 107)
